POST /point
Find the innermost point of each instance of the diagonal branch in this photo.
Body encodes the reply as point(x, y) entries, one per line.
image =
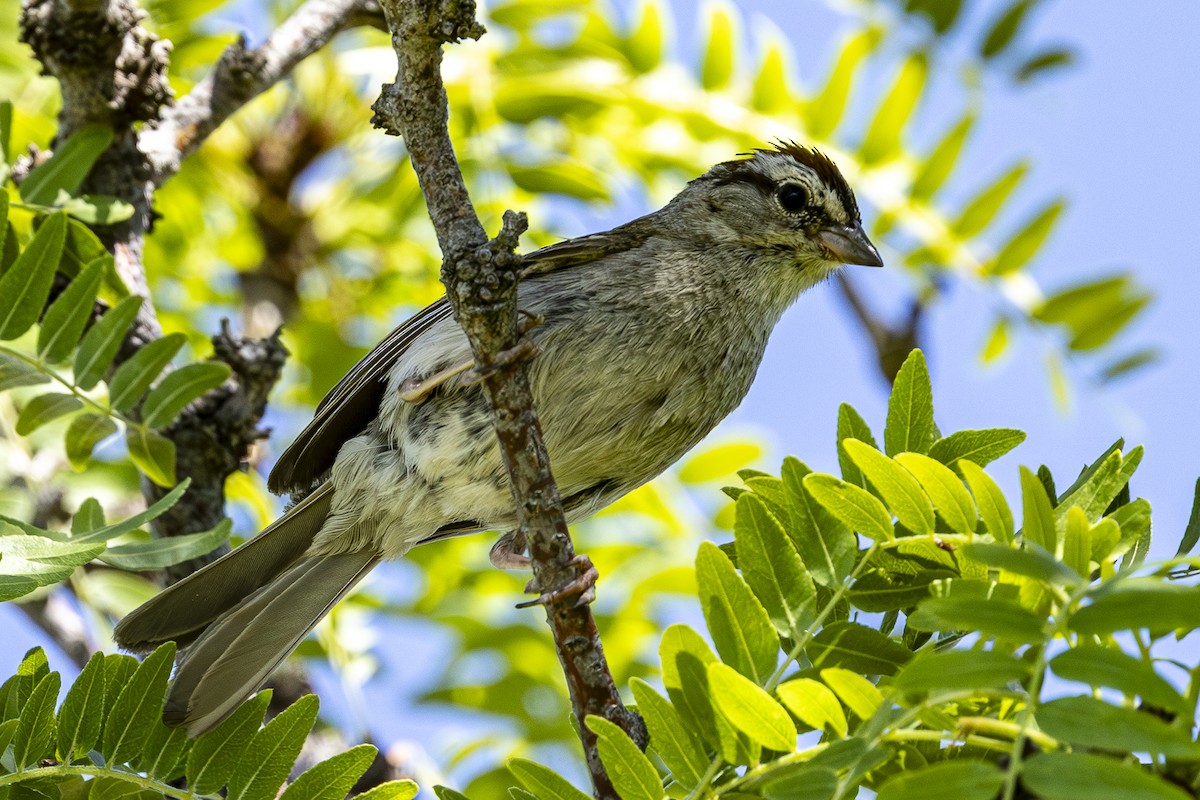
point(242, 73)
point(481, 284)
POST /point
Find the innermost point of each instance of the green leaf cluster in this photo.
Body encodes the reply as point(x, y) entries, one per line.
point(107, 740)
point(891, 629)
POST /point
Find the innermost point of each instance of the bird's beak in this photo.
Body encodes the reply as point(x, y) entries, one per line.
point(849, 245)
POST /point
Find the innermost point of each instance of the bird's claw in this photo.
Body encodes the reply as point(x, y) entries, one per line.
point(525, 348)
point(583, 586)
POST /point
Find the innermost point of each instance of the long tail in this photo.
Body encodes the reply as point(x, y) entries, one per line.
point(240, 616)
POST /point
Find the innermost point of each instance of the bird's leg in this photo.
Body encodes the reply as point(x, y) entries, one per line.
point(583, 587)
point(416, 389)
point(509, 551)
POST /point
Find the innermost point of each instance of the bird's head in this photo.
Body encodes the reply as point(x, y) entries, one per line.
point(791, 200)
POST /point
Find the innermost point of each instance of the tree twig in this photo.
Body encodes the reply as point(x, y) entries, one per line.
point(242, 73)
point(481, 283)
point(892, 343)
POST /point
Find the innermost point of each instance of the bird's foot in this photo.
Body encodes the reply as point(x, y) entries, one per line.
point(583, 587)
point(524, 349)
point(509, 551)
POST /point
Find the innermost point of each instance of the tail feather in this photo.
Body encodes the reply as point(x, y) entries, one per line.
point(235, 654)
point(181, 612)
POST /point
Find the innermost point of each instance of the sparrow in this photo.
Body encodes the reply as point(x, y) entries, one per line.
point(652, 333)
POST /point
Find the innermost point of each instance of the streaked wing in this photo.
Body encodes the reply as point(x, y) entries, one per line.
point(351, 405)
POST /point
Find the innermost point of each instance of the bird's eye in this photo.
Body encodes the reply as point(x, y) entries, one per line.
point(793, 197)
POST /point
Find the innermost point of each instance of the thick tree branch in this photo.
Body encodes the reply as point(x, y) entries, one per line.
point(481, 284)
point(242, 74)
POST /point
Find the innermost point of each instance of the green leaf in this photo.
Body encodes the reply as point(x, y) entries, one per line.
point(945, 489)
point(993, 508)
point(156, 510)
point(1025, 243)
point(1102, 487)
point(826, 546)
point(95, 209)
point(815, 705)
point(940, 163)
point(886, 590)
point(392, 790)
point(771, 92)
point(740, 626)
point(883, 138)
point(68, 315)
point(859, 694)
point(6, 114)
point(181, 387)
point(36, 729)
point(561, 177)
point(445, 793)
point(851, 425)
point(857, 508)
point(1076, 776)
point(952, 670)
point(1035, 65)
point(81, 712)
point(1038, 523)
point(45, 408)
point(1005, 29)
point(1031, 561)
point(1139, 603)
point(858, 648)
point(645, 43)
point(751, 710)
point(1094, 312)
point(543, 781)
point(134, 377)
point(675, 742)
point(166, 552)
point(1089, 722)
point(1111, 668)
point(991, 616)
point(909, 425)
point(152, 453)
point(215, 754)
point(717, 63)
point(67, 167)
point(980, 212)
point(896, 485)
point(826, 110)
point(118, 670)
point(26, 285)
point(163, 754)
point(333, 778)
point(265, 764)
point(138, 706)
point(772, 567)
point(1191, 533)
point(14, 373)
point(1127, 364)
point(100, 344)
point(718, 462)
point(997, 342)
point(40, 560)
point(632, 774)
point(980, 447)
point(960, 779)
point(83, 434)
